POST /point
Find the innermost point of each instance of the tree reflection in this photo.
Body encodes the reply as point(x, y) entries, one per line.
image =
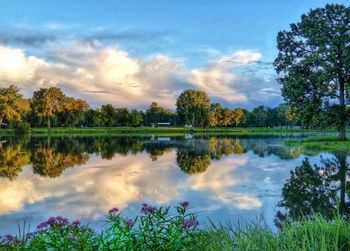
point(316, 189)
point(192, 161)
point(52, 159)
point(107, 147)
point(12, 159)
point(49, 156)
point(224, 146)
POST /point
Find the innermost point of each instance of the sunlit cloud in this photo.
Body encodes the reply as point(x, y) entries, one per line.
point(108, 74)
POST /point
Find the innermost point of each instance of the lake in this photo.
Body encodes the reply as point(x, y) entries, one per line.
point(225, 178)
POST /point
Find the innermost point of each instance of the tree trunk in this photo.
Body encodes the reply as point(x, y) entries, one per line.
point(342, 115)
point(1, 119)
point(48, 123)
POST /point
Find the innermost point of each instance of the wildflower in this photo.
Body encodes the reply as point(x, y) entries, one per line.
point(75, 223)
point(51, 221)
point(185, 203)
point(42, 225)
point(148, 209)
point(61, 220)
point(8, 238)
point(113, 210)
point(130, 223)
point(189, 223)
point(57, 221)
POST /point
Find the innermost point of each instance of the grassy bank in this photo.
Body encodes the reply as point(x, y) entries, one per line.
point(160, 131)
point(316, 144)
point(161, 229)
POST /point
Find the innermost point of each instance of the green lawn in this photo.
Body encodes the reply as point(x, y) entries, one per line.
point(160, 130)
point(316, 144)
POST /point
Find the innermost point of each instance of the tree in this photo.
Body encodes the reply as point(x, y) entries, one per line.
point(193, 107)
point(122, 117)
point(314, 63)
point(135, 118)
point(107, 115)
point(215, 115)
point(260, 116)
point(73, 111)
point(12, 105)
point(237, 115)
point(47, 102)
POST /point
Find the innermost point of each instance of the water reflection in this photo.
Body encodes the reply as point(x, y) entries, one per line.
point(82, 177)
point(51, 156)
point(320, 188)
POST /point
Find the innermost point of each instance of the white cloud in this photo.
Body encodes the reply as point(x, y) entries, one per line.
point(106, 74)
point(241, 57)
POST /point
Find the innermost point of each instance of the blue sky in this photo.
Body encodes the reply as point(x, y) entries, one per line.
point(129, 53)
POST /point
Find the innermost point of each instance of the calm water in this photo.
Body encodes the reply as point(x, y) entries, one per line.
point(225, 178)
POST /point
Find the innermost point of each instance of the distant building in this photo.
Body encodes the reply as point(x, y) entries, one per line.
point(161, 124)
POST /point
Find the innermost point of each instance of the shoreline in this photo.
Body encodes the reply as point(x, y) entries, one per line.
point(166, 131)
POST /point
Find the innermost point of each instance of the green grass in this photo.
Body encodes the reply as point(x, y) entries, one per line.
point(308, 234)
point(316, 144)
point(160, 131)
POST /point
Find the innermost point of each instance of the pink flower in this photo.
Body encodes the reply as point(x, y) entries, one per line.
point(113, 210)
point(42, 225)
point(148, 209)
point(185, 203)
point(130, 223)
point(75, 223)
point(189, 223)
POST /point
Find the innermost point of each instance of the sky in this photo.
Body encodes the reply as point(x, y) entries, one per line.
point(130, 53)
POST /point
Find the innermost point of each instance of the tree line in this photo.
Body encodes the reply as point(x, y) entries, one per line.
point(51, 107)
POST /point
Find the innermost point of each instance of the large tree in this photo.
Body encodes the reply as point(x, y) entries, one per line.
point(73, 111)
point(47, 102)
point(314, 65)
point(12, 105)
point(193, 107)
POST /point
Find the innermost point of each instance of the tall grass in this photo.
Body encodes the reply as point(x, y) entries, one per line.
point(314, 233)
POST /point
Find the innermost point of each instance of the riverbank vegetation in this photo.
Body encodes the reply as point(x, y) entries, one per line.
point(165, 228)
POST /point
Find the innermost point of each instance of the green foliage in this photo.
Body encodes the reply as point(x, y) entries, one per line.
point(47, 102)
point(314, 233)
point(193, 107)
point(314, 63)
point(52, 108)
point(219, 116)
point(12, 105)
